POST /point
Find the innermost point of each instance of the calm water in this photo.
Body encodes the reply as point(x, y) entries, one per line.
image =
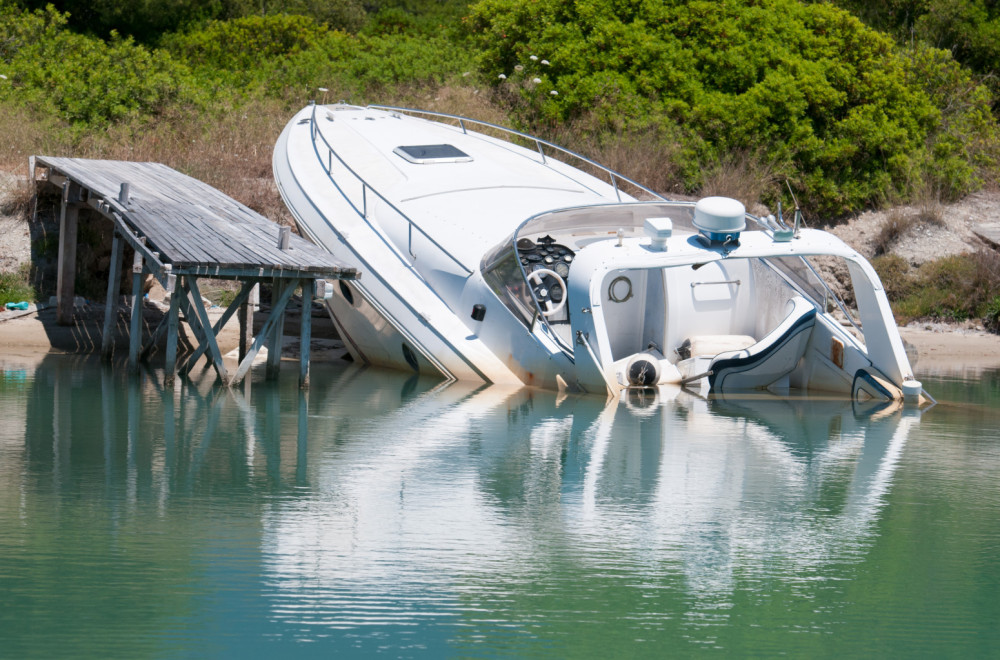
point(380, 515)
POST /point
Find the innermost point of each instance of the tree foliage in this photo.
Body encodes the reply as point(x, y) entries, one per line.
point(148, 20)
point(833, 105)
point(85, 81)
point(968, 29)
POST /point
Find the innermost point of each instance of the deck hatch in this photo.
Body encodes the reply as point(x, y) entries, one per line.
point(421, 154)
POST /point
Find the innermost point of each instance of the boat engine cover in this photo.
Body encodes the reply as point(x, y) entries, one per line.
point(643, 370)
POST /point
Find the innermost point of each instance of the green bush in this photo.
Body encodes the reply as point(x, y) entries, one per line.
point(968, 29)
point(244, 44)
point(894, 272)
point(991, 315)
point(83, 80)
point(835, 106)
point(15, 287)
point(148, 20)
point(957, 287)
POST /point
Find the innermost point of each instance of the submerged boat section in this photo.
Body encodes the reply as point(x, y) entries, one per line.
point(493, 258)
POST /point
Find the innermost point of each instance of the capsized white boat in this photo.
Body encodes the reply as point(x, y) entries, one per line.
point(487, 256)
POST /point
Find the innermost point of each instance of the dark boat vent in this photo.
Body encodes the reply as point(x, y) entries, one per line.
point(421, 154)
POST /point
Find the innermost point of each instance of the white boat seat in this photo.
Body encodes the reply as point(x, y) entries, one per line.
point(712, 345)
point(769, 359)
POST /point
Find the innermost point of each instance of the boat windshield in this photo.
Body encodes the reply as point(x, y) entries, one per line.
point(547, 243)
point(605, 219)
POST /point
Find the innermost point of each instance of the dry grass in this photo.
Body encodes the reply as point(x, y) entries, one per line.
point(895, 226)
point(646, 157)
point(231, 152)
point(17, 197)
point(743, 175)
point(25, 135)
point(930, 213)
point(956, 287)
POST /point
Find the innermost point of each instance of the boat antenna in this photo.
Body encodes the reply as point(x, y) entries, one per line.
point(798, 211)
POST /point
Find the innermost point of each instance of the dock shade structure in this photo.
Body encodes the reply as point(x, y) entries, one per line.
point(181, 230)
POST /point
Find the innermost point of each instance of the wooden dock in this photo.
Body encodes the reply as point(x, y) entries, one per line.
point(182, 229)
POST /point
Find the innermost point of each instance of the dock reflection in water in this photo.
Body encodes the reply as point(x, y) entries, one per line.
point(379, 512)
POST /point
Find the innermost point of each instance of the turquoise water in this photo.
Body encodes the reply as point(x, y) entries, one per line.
point(380, 515)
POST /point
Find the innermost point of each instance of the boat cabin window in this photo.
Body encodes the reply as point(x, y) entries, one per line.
point(503, 275)
point(422, 154)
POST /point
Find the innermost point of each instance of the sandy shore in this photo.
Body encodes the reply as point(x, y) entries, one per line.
point(940, 348)
point(31, 335)
point(943, 349)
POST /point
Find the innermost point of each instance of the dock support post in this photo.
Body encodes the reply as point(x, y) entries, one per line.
point(213, 355)
point(135, 331)
point(111, 303)
point(65, 284)
point(301, 453)
point(305, 331)
point(277, 332)
point(170, 369)
point(246, 324)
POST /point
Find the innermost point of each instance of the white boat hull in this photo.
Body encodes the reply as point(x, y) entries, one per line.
point(457, 261)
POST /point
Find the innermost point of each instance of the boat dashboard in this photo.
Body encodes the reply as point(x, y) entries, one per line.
point(546, 264)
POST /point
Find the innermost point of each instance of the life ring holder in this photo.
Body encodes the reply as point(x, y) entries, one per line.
point(611, 289)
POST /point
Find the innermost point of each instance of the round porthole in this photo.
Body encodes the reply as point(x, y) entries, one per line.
point(620, 289)
point(410, 358)
point(347, 293)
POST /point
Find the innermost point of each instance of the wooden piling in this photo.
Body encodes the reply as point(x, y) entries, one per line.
point(66, 282)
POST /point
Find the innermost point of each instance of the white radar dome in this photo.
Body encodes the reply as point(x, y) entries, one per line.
point(720, 215)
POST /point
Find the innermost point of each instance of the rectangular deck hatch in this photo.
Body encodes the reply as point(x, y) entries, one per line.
point(421, 154)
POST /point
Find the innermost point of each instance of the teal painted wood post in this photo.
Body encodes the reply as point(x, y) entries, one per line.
point(66, 277)
point(135, 331)
point(278, 331)
point(111, 301)
point(305, 331)
point(170, 369)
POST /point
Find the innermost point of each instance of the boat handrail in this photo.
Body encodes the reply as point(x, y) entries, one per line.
point(365, 187)
point(540, 144)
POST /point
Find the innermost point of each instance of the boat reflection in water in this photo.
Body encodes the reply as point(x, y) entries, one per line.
point(460, 498)
point(376, 512)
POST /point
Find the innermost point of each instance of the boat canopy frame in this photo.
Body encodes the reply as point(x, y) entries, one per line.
point(548, 222)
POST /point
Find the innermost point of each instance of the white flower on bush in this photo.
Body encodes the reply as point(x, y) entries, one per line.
point(502, 76)
point(554, 93)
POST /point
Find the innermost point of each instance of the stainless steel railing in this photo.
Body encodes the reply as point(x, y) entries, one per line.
point(327, 164)
point(539, 143)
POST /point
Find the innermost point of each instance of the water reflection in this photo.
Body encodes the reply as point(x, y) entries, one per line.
point(406, 511)
point(499, 493)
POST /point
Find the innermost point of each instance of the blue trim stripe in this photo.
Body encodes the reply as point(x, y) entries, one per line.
point(734, 365)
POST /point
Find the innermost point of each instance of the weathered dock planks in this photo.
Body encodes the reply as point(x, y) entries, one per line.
point(182, 229)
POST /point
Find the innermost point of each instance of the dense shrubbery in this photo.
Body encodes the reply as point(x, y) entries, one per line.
point(148, 20)
point(769, 90)
point(953, 288)
point(830, 104)
point(968, 29)
point(85, 81)
point(292, 55)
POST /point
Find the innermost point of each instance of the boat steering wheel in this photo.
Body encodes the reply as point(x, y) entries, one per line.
point(543, 293)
